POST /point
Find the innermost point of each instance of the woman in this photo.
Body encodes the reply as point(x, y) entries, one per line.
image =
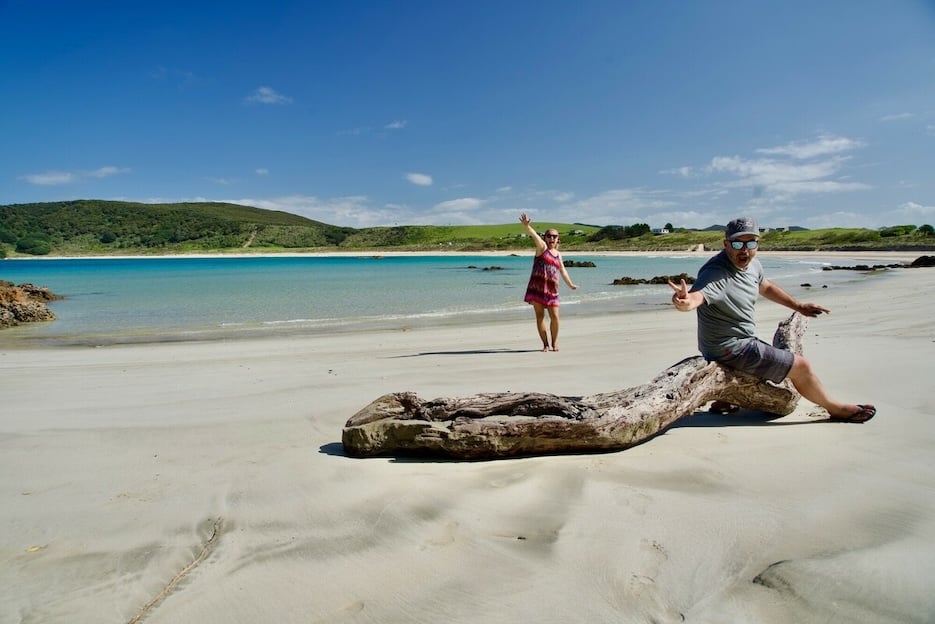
point(542, 290)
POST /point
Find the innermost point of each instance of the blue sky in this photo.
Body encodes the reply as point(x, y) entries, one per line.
point(452, 112)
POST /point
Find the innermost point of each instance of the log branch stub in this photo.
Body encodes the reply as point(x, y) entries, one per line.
point(509, 424)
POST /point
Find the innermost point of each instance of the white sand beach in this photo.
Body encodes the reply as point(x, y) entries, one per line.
point(206, 482)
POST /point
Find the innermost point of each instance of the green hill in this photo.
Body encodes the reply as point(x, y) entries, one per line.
point(86, 227)
point(96, 227)
point(105, 227)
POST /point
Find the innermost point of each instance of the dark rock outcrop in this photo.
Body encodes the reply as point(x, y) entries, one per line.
point(863, 267)
point(25, 303)
point(626, 280)
point(921, 261)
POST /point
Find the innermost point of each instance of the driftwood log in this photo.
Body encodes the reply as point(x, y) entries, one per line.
point(510, 424)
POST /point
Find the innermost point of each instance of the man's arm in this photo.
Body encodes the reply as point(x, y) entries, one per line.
point(685, 300)
point(774, 293)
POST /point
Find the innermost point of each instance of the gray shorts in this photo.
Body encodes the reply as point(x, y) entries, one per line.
point(760, 359)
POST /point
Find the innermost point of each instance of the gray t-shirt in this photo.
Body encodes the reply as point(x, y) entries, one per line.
point(726, 319)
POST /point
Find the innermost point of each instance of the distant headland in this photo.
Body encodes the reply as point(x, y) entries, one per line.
point(92, 227)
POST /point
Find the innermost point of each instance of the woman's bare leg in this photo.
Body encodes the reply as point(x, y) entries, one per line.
point(553, 326)
point(540, 325)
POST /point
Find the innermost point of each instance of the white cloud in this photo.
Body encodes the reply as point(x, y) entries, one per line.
point(800, 168)
point(910, 212)
point(685, 172)
point(773, 184)
point(352, 210)
point(53, 178)
point(897, 117)
point(458, 205)
point(838, 218)
point(823, 146)
point(359, 212)
point(50, 178)
point(267, 95)
point(819, 186)
point(396, 125)
point(262, 171)
point(105, 172)
point(623, 200)
point(419, 179)
point(768, 171)
point(616, 206)
point(681, 218)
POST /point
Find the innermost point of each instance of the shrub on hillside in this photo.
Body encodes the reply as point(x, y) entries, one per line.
point(849, 237)
point(897, 230)
point(34, 246)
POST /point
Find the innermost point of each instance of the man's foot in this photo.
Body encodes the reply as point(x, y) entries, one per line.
point(555, 347)
point(862, 415)
point(723, 407)
point(545, 347)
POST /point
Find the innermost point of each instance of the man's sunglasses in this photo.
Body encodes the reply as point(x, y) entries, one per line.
point(551, 235)
point(742, 244)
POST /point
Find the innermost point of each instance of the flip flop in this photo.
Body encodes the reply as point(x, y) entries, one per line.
point(865, 413)
point(723, 407)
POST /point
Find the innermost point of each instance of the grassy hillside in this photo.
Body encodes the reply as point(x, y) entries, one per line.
point(85, 227)
point(461, 237)
point(104, 227)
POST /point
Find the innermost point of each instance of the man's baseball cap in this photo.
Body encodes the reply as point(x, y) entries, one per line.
point(743, 226)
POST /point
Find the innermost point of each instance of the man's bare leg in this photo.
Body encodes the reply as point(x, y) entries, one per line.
point(810, 387)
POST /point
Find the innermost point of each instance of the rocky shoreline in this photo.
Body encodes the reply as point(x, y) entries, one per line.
point(921, 261)
point(25, 303)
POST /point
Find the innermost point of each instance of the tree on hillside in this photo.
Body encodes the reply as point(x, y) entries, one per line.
point(926, 230)
point(34, 245)
point(897, 230)
point(620, 232)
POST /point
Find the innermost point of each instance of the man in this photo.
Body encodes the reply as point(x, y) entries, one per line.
point(724, 296)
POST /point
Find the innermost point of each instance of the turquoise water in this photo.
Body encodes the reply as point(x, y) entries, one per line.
point(111, 300)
